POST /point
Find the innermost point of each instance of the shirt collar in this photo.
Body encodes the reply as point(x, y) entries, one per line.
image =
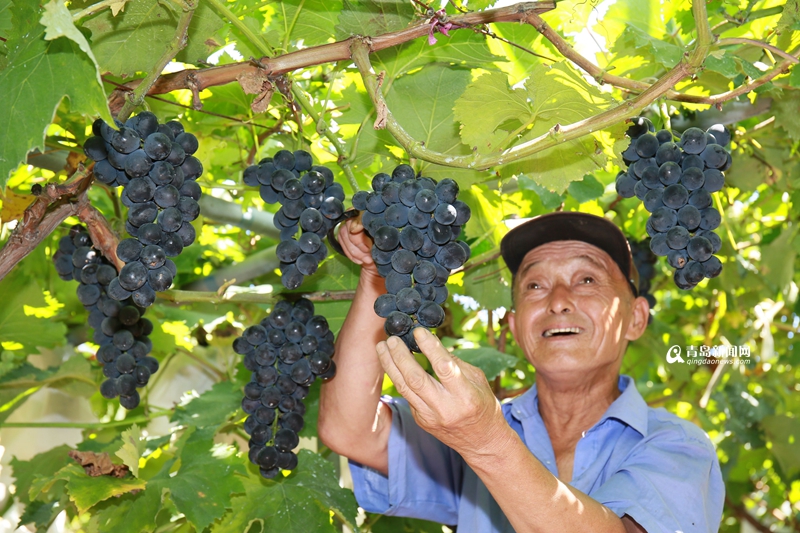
point(629, 408)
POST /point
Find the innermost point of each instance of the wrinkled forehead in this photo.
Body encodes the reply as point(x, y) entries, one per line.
point(558, 254)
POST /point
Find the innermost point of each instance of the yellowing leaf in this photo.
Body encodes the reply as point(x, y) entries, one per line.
point(14, 205)
point(132, 448)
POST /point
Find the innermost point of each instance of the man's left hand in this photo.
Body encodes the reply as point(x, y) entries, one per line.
point(460, 409)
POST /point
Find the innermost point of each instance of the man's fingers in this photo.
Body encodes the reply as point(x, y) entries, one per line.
point(390, 367)
point(414, 375)
point(444, 364)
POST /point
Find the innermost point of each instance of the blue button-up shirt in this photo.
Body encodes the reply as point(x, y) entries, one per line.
point(647, 463)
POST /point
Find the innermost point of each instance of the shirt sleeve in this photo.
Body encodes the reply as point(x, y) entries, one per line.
point(668, 485)
point(425, 476)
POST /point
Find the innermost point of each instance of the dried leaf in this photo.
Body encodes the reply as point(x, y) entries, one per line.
point(253, 82)
point(98, 464)
point(257, 82)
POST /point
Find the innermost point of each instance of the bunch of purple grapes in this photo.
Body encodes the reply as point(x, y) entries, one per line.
point(310, 204)
point(415, 223)
point(286, 352)
point(154, 164)
point(120, 327)
point(674, 178)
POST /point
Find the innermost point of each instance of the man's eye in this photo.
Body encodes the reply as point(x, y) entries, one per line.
point(587, 279)
point(532, 285)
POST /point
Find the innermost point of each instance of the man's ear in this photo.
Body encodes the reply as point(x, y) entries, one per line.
point(641, 313)
point(512, 324)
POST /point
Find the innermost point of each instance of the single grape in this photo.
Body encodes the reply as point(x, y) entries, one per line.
point(430, 314)
point(693, 141)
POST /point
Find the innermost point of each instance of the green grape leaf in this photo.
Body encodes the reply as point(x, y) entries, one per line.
point(461, 48)
point(368, 146)
point(5, 17)
point(423, 104)
point(45, 464)
point(84, 490)
point(132, 448)
point(334, 312)
point(777, 259)
point(38, 76)
point(299, 502)
point(130, 512)
point(336, 274)
point(373, 17)
point(489, 284)
point(133, 40)
point(654, 49)
point(559, 95)
point(57, 21)
point(550, 200)
point(210, 409)
point(40, 514)
point(202, 33)
point(310, 21)
point(723, 62)
point(786, 110)
point(74, 376)
point(784, 433)
point(20, 325)
point(206, 479)
point(790, 17)
point(490, 360)
point(18, 384)
point(480, 130)
point(586, 189)
point(312, 412)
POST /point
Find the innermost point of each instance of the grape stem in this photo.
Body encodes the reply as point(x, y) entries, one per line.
point(178, 43)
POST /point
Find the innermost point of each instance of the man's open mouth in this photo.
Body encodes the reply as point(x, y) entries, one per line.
point(560, 332)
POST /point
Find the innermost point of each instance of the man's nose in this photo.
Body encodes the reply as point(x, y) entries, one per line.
point(560, 300)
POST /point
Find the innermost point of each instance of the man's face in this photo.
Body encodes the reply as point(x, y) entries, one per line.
point(574, 310)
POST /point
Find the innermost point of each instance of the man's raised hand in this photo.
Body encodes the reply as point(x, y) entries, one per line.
point(456, 409)
point(356, 244)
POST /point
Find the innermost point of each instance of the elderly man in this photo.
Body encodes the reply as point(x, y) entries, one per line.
point(580, 451)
